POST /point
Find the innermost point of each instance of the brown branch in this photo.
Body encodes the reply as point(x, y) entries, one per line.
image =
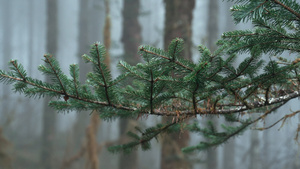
point(287, 8)
point(297, 134)
point(254, 121)
point(237, 109)
point(282, 119)
point(67, 163)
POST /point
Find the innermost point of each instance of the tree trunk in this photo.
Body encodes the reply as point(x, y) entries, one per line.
point(178, 23)
point(255, 162)
point(49, 116)
point(213, 35)
point(131, 39)
point(86, 127)
point(83, 47)
point(5, 149)
point(6, 54)
point(229, 147)
point(131, 34)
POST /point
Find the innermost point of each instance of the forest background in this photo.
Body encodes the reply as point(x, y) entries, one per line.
point(30, 138)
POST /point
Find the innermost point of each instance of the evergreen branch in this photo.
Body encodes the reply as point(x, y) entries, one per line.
point(194, 99)
point(16, 66)
point(69, 95)
point(267, 95)
point(33, 84)
point(164, 57)
point(151, 91)
point(241, 71)
point(174, 51)
point(169, 85)
point(145, 139)
point(102, 73)
point(260, 5)
point(287, 8)
point(222, 110)
point(123, 64)
point(283, 36)
point(75, 80)
point(48, 61)
point(94, 78)
point(266, 43)
point(119, 79)
point(223, 137)
point(156, 132)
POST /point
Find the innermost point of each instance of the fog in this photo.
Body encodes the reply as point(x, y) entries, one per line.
point(24, 25)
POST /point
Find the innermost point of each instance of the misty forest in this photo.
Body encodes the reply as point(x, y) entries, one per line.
point(140, 84)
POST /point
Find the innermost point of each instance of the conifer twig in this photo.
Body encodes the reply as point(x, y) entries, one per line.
point(164, 57)
point(287, 8)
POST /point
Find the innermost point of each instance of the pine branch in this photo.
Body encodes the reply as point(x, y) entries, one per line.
point(287, 8)
point(168, 85)
point(102, 73)
point(221, 110)
point(164, 57)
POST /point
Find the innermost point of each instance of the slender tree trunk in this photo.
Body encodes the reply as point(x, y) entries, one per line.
point(5, 157)
point(131, 39)
point(178, 23)
point(131, 34)
point(297, 162)
point(255, 162)
point(83, 47)
point(213, 24)
point(85, 130)
point(229, 147)
point(49, 116)
point(213, 35)
point(6, 33)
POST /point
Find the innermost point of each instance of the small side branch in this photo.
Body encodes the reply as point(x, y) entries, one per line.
point(16, 66)
point(151, 91)
point(238, 109)
point(75, 82)
point(102, 73)
point(56, 74)
point(283, 119)
point(164, 57)
point(287, 8)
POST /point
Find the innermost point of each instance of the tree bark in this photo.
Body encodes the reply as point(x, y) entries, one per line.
point(178, 23)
